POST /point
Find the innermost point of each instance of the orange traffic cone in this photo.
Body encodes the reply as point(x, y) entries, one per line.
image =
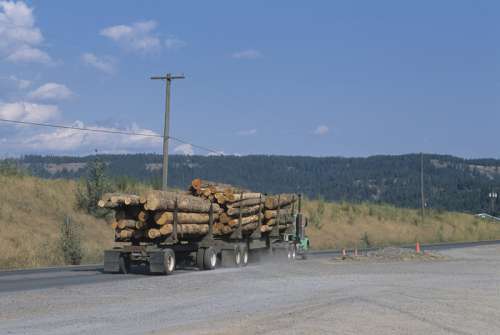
point(417, 247)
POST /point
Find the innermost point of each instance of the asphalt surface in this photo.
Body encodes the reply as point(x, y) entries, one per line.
point(458, 295)
point(33, 279)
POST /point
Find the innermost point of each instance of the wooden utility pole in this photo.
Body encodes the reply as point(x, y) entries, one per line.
point(422, 197)
point(168, 78)
point(493, 198)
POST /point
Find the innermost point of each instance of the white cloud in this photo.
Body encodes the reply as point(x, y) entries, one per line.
point(19, 37)
point(247, 54)
point(138, 36)
point(174, 43)
point(76, 141)
point(51, 91)
point(248, 132)
point(218, 153)
point(24, 111)
point(321, 130)
point(184, 149)
point(105, 64)
point(20, 83)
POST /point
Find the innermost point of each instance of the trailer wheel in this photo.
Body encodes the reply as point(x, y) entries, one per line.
point(292, 252)
point(209, 258)
point(124, 264)
point(237, 256)
point(200, 259)
point(169, 261)
point(244, 256)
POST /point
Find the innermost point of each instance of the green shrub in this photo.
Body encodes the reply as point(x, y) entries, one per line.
point(70, 241)
point(91, 189)
point(365, 239)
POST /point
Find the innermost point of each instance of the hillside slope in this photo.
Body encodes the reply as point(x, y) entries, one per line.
point(339, 225)
point(451, 183)
point(31, 211)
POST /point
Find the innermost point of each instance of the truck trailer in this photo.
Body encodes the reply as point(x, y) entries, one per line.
point(210, 251)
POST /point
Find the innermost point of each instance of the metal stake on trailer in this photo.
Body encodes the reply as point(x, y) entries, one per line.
point(275, 232)
point(176, 210)
point(291, 229)
point(237, 234)
point(257, 233)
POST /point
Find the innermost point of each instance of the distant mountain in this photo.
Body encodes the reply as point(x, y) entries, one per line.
point(450, 183)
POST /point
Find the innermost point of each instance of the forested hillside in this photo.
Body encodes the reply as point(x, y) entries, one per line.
point(450, 183)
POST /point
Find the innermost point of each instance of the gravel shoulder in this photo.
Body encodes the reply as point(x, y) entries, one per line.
point(459, 294)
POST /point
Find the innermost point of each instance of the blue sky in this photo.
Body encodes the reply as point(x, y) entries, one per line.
point(322, 78)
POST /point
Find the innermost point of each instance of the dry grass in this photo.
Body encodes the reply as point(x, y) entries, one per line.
point(339, 225)
point(31, 211)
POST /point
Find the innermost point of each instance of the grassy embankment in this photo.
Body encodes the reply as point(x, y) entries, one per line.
point(339, 225)
point(31, 212)
point(32, 209)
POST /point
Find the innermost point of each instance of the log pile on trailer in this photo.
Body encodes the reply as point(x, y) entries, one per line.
point(158, 215)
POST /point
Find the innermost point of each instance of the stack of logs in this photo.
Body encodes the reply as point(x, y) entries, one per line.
point(250, 206)
point(150, 217)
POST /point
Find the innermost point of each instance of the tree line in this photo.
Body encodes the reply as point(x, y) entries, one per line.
point(450, 183)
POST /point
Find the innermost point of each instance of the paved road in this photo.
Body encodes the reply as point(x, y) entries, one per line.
point(460, 295)
point(33, 279)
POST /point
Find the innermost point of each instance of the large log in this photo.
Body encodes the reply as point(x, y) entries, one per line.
point(244, 220)
point(185, 229)
point(162, 218)
point(113, 200)
point(285, 220)
point(243, 196)
point(235, 211)
point(266, 228)
point(245, 203)
point(272, 202)
point(154, 233)
point(162, 200)
point(222, 229)
point(199, 185)
point(273, 213)
point(126, 233)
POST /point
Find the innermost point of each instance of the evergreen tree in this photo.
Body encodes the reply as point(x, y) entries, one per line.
point(95, 185)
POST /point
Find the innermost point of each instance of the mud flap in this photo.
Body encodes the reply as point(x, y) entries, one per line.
point(112, 261)
point(156, 261)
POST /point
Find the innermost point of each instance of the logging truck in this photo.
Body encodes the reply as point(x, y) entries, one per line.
point(212, 250)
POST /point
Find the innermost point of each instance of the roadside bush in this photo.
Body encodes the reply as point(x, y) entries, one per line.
point(365, 239)
point(91, 189)
point(70, 241)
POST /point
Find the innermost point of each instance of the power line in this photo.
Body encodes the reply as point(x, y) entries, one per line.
point(108, 131)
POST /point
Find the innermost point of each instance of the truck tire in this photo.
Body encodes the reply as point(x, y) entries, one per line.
point(237, 256)
point(200, 259)
point(169, 261)
point(292, 252)
point(244, 256)
point(124, 264)
point(209, 258)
